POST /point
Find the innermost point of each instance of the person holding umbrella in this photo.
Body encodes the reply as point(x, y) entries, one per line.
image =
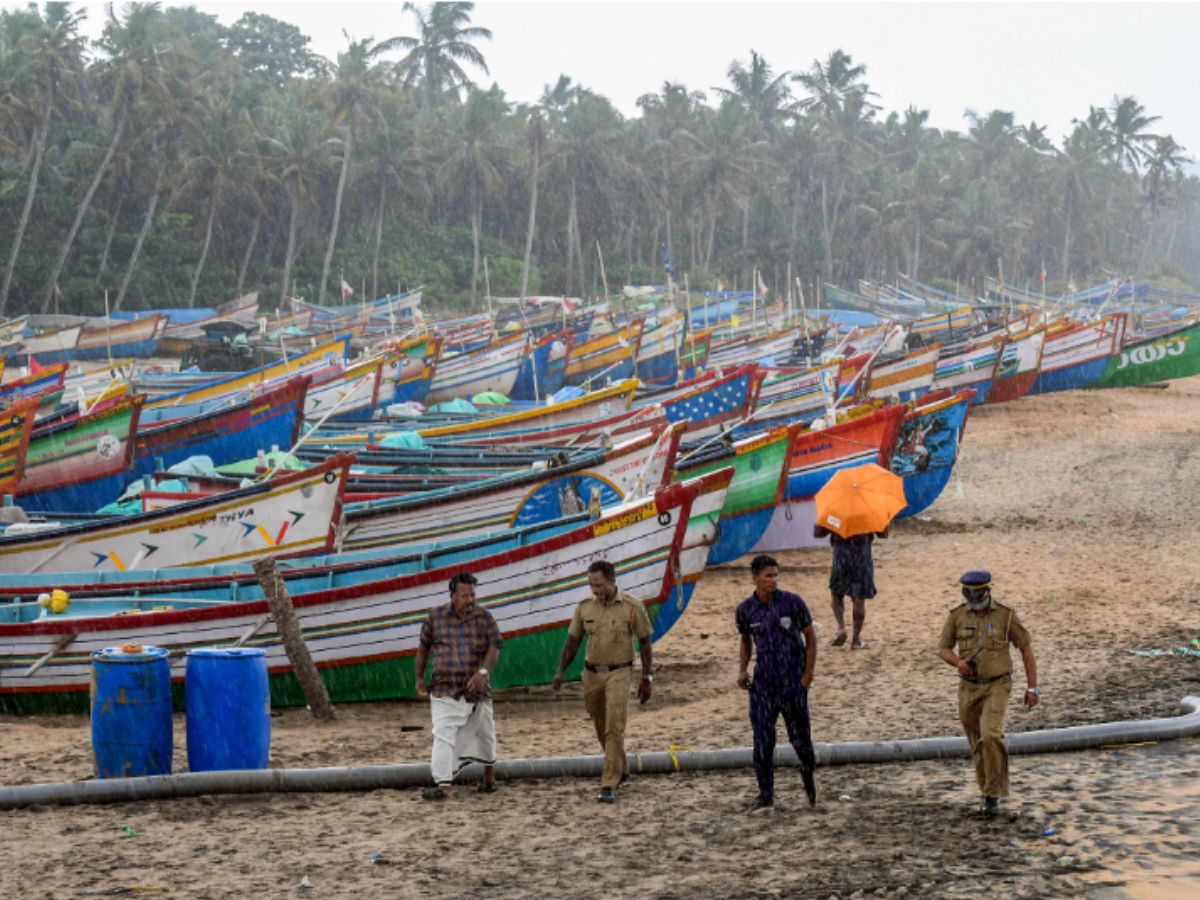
point(853, 508)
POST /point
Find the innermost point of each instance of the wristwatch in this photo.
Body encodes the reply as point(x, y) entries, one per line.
point(1033, 691)
point(648, 677)
point(483, 671)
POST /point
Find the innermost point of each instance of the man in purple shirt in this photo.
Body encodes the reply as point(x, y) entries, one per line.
point(776, 626)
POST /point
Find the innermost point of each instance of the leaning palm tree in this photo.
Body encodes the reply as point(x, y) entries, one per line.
point(51, 52)
point(537, 143)
point(133, 69)
point(475, 167)
point(353, 95)
point(433, 59)
point(1128, 141)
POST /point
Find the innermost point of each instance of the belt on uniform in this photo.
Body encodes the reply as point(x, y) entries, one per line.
point(994, 678)
point(591, 667)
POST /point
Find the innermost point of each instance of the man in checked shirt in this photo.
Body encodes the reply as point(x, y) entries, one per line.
point(466, 643)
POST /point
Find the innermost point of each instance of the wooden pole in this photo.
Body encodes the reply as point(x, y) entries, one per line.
point(287, 625)
point(603, 276)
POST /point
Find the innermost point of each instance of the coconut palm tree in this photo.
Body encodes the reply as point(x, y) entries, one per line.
point(476, 163)
point(50, 51)
point(134, 69)
point(353, 95)
point(445, 41)
point(762, 93)
point(536, 133)
point(1128, 143)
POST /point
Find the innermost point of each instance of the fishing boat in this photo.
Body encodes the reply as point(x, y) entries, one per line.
point(46, 380)
point(186, 326)
point(927, 448)
point(490, 368)
point(972, 366)
point(906, 378)
point(49, 346)
point(294, 513)
point(1160, 358)
point(606, 358)
point(112, 339)
point(361, 621)
point(1019, 366)
point(81, 461)
point(1077, 356)
point(658, 361)
point(544, 367)
point(16, 424)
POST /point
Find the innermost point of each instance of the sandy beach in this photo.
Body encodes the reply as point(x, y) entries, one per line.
point(1083, 506)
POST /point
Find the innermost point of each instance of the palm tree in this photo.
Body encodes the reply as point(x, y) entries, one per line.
point(220, 165)
point(133, 69)
point(353, 94)
point(52, 52)
point(433, 59)
point(297, 153)
point(1128, 141)
point(536, 133)
point(760, 92)
point(1164, 169)
point(474, 168)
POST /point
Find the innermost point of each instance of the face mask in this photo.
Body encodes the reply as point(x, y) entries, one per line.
point(978, 602)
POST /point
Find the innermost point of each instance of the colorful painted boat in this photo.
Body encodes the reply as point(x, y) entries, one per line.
point(79, 463)
point(183, 329)
point(927, 448)
point(714, 404)
point(16, 424)
point(658, 361)
point(522, 498)
point(49, 346)
point(45, 381)
point(294, 513)
point(795, 394)
point(1078, 356)
point(759, 482)
point(491, 368)
point(607, 358)
point(1019, 366)
point(1172, 355)
point(225, 434)
point(815, 456)
point(590, 433)
point(544, 367)
point(361, 622)
point(693, 352)
point(972, 367)
point(906, 378)
point(138, 338)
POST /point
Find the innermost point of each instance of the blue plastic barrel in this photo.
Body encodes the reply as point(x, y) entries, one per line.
point(131, 711)
point(228, 710)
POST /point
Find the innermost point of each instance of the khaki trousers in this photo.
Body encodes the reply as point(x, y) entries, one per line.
point(606, 696)
point(981, 708)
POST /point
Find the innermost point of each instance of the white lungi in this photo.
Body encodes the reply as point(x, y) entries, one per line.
point(463, 733)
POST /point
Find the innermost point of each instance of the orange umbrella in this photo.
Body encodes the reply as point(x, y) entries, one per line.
point(860, 500)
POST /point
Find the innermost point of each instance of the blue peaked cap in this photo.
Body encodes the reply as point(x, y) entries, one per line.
point(976, 578)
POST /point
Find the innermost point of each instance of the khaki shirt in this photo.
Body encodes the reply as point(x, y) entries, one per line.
point(610, 628)
point(985, 637)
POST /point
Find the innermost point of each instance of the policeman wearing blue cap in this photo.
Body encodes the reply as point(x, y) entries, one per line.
point(982, 630)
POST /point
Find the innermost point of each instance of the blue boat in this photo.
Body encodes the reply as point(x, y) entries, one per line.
point(927, 447)
point(537, 378)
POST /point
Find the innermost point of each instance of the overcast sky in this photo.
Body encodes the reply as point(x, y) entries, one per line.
point(1043, 61)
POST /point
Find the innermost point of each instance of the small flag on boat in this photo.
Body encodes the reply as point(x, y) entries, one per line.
point(762, 288)
point(568, 305)
point(347, 291)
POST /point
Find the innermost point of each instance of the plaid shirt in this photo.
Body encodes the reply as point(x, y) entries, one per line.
point(459, 646)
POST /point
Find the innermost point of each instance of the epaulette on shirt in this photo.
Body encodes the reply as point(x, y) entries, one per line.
point(1000, 605)
point(957, 608)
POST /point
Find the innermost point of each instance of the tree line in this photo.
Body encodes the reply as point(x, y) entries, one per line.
point(179, 162)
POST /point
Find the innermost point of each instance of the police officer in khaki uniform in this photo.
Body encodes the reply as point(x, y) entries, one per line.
point(610, 619)
point(983, 630)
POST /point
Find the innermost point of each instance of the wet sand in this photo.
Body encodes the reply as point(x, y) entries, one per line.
point(1083, 506)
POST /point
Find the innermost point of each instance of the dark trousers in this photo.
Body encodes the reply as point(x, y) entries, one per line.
point(765, 708)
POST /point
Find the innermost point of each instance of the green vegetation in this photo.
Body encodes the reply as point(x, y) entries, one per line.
point(180, 162)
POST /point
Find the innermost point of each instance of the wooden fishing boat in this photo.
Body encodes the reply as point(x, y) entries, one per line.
point(713, 404)
point(658, 361)
point(1077, 356)
point(16, 424)
point(294, 513)
point(607, 358)
point(179, 334)
point(12, 333)
point(693, 353)
point(361, 622)
point(591, 433)
point(491, 368)
point(1019, 366)
point(224, 433)
point(49, 346)
point(544, 367)
point(1161, 358)
point(138, 338)
point(760, 478)
point(78, 463)
point(906, 378)
point(815, 456)
point(927, 448)
point(44, 381)
point(795, 394)
point(641, 463)
point(973, 366)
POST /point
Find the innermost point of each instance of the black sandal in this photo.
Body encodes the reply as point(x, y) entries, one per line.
point(433, 793)
point(487, 787)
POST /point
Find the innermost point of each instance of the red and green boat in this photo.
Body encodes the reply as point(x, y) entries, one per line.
point(1160, 358)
